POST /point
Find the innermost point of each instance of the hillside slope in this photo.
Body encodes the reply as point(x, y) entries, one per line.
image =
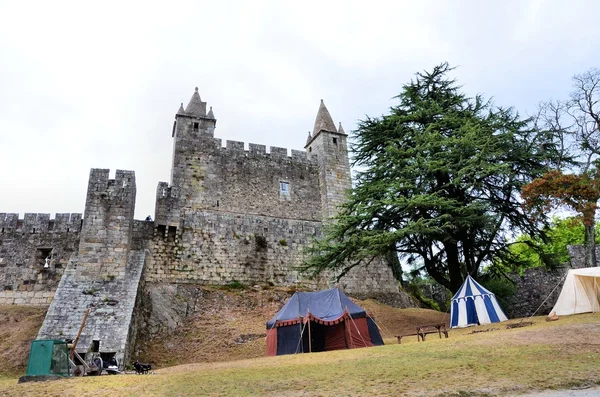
point(484, 361)
point(215, 325)
point(19, 325)
point(230, 325)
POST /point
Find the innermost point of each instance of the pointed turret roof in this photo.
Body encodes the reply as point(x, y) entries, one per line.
point(323, 122)
point(210, 114)
point(181, 111)
point(341, 130)
point(196, 107)
point(308, 139)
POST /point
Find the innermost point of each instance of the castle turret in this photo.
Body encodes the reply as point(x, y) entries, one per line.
point(107, 222)
point(191, 129)
point(196, 107)
point(104, 276)
point(329, 145)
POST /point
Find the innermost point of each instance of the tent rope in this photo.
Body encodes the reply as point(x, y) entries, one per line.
point(551, 292)
point(377, 325)
point(355, 326)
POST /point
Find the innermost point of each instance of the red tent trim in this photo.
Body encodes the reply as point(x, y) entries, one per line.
point(311, 317)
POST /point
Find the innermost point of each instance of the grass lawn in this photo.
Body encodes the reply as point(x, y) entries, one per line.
point(498, 361)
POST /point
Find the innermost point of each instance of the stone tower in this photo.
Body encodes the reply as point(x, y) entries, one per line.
point(329, 145)
point(107, 222)
point(193, 129)
point(104, 276)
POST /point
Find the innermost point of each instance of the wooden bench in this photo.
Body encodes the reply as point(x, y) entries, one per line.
point(424, 330)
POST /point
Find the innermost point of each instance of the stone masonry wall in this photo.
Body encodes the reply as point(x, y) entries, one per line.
point(24, 246)
point(214, 247)
point(232, 179)
point(107, 225)
point(577, 255)
point(541, 287)
point(105, 274)
point(536, 288)
point(111, 302)
point(330, 151)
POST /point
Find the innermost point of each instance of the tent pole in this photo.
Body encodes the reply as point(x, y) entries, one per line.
point(309, 339)
point(355, 326)
point(595, 295)
point(351, 344)
point(301, 334)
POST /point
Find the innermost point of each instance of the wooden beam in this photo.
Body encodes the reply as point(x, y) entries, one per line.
point(85, 316)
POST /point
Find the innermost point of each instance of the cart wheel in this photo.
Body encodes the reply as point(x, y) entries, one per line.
point(98, 363)
point(78, 371)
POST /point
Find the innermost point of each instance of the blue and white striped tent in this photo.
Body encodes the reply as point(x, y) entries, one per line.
point(473, 305)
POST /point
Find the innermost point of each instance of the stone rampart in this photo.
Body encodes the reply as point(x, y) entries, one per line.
point(577, 255)
point(39, 223)
point(538, 289)
point(33, 254)
point(104, 275)
point(107, 225)
point(111, 302)
point(214, 247)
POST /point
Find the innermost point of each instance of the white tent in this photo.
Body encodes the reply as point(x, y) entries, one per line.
point(580, 293)
point(473, 304)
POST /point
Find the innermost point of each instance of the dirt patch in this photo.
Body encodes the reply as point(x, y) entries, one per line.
point(19, 325)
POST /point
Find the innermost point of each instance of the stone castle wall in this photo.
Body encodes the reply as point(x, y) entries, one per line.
point(538, 289)
point(235, 180)
point(24, 246)
point(214, 247)
point(104, 275)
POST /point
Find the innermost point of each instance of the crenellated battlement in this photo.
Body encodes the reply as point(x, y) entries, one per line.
point(40, 223)
point(255, 150)
point(100, 181)
point(166, 207)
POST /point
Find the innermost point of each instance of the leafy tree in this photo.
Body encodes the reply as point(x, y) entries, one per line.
point(578, 192)
point(575, 124)
point(536, 253)
point(438, 185)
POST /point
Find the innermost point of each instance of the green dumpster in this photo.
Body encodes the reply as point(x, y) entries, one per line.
point(49, 357)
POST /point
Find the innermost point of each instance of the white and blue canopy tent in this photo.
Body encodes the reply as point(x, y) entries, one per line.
point(473, 305)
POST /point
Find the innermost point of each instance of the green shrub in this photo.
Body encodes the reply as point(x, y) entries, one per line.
point(503, 288)
point(235, 285)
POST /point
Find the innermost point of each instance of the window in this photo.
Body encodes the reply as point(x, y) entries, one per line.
point(335, 141)
point(171, 233)
point(284, 188)
point(43, 257)
point(196, 126)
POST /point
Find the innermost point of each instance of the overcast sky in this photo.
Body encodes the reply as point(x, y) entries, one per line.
point(96, 85)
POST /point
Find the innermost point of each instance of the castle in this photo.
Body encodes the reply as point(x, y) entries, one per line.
point(228, 213)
